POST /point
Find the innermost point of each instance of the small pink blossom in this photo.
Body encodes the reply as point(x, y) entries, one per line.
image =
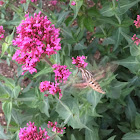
point(33, 0)
point(51, 87)
point(136, 40)
point(1, 32)
point(55, 128)
point(61, 73)
point(37, 37)
point(23, 1)
point(137, 22)
point(53, 2)
point(1, 3)
point(79, 61)
point(30, 133)
point(73, 3)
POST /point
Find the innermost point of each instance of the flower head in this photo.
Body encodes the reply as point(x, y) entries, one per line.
point(1, 32)
point(51, 87)
point(22, 1)
point(36, 37)
point(1, 3)
point(30, 133)
point(137, 22)
point(73, 3)
point(53, 2)
point(79, 61)
point(135, 39)
point(61, 73)
point(55, 128)
point(33, 0)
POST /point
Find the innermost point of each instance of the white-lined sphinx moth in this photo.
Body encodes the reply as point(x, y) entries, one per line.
point(91, 79)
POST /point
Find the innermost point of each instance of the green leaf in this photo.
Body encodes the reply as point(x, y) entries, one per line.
point(44, 71)
point(134, 49)
point(125, 5)
point(80, 45)
point(9, 38)
point(118, 38)
point(130, 110)
point(131, 136)
point(4, 48)
point(16, 91)
point(93, 12)
point(94, 98)
point(44, 106)
point(131, 63)
point(2, 134)
point(112, 138)
point(76, 7)
point(137, 121)
point(67, 109)
point(89, 24)
point(107, 10)
point(7, 108)
point(89, 135)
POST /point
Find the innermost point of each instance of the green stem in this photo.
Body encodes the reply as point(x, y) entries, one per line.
point(48, 61)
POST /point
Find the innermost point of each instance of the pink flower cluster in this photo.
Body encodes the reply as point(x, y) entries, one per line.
point(136, 40)
point(73, 3)
point(22, 1)
point(1, 3)
point(33, 0)
point(1, 32)
point(55, 128)
point(53, 2)
point(36, 37)
point(79, 61)
point(51, 87)
point(137, 22)
point(61, 73)
point(30, 133)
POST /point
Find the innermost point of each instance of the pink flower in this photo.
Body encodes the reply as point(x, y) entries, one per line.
point(23, 1)
point(135, 39)
point(55, 128)
point(30, 133)
point(53, 2)
point(137, 22)
point(79, 61)
point(36, 37)
point(51, 87)
point(1, 32)
point(61, 73)
point(1, 3)
point(33, 0)
point(73, 3)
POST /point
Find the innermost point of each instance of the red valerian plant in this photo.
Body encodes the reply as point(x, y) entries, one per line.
point(79, 61)
point(73, 3)
point(55, 128)
point(136, 39)
point(51, 87)
point(1, 3)
point(30, 133)
point(33, 0)
point(36, 36)
point(1, 32)
point(23, 1)
point(61, 73)
point(137, 22)
point(53, 2)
